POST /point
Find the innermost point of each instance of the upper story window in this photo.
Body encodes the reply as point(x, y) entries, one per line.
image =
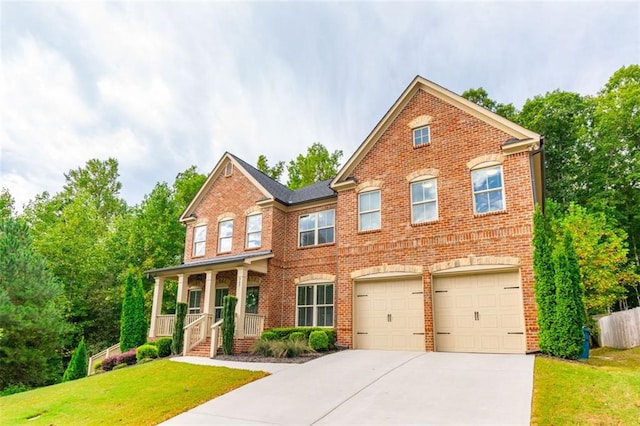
point(199, 240)
point(316, 228)
point(225, 235)
point(421, 136)
point(424, 201)
point(254, 231)
point(488, 189)
point(369, 210)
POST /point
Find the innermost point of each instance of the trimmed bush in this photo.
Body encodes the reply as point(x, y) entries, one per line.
point(164, 346)
point(133, 322)
point(318, 340)
point(297, 335)
point(178, 329)
point(128, 358)
point(268, 335)
point(97, 366)
point(229, 324)
point(146, 351)
point(78, 365)
point(284, 332)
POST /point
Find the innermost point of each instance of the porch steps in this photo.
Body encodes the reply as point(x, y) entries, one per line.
point(202, 349)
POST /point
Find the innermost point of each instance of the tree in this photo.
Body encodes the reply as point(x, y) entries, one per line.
point(78, 365)
point(186, 186)
point(601, 251)
point(133, 325)
point(274, 172)
point(178, 328)
point(229, 323)
point(317, 165)
point(561, 117)
point(544, 275)
point(481, 97)
point(7, 202)
point(31, 312)
point(569, 319)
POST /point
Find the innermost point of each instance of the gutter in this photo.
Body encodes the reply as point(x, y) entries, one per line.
point(538, 152)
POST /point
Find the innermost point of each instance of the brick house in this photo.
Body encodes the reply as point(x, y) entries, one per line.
point(421, 242)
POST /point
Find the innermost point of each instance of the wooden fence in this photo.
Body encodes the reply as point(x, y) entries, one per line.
point(620, 329)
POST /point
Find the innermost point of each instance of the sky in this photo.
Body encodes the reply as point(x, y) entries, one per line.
point(161, 86)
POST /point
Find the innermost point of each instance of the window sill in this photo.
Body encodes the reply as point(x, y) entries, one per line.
point(197, 257)
point(252, 248)
point(223, 252)
point(424, 145)
point(316, 246)
point(499, 212)
point(369, 231)
point(419, 224)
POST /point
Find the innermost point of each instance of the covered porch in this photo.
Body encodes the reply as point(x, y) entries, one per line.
point(203, 285)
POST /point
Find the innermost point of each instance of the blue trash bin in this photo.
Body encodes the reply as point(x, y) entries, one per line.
point(585, 344)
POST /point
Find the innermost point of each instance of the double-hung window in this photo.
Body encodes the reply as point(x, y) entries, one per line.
point(225, 235)
point(219, 302)
point(195, 295)
point(254, 231)
point(316, 228)
point(199, 240)
point(315, 305)
point(424, 201)
point(421, 136)
point(488, 189)
point(369, 210)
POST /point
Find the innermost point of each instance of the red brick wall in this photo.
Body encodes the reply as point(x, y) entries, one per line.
point(456, 138)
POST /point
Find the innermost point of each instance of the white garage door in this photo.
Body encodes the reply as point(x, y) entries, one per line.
point(479, 313)
point(389, 314)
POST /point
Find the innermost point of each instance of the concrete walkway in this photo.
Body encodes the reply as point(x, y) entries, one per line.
point(380, 387)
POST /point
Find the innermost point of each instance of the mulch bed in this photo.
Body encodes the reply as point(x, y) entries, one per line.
point(259, 358)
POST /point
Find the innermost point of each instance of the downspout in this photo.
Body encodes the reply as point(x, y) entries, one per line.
point(540, 151)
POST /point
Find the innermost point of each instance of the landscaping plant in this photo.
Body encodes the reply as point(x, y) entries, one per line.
point(78, 365)
point(164, 346)
point(318, 340)
point(178, 329)
point(229, 324)
point(146, 351)
point(544, 285)
point(133, 325)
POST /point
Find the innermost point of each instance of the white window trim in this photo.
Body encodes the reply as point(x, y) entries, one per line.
point(317, 228)
point(247, 239)
point(484, 191)
point(360, 212)
point(435, 200)
point(220, 238)
point(216, 307)
point(190, 292)
point(315, 305)
point(419, 129)
point(197, 242)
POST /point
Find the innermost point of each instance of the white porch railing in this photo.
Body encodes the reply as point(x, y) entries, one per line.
point(253, 325)
point(216, 338)
point(111, 351)
point(196, 332)
point(166, 323)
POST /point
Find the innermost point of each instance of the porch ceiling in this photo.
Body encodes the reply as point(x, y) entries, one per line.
point(255, 261)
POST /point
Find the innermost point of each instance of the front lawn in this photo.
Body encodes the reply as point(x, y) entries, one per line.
point(603, 390)
point(145, 394)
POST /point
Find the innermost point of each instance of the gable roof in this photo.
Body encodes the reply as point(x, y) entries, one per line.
point(522, 135)
point(270, 188)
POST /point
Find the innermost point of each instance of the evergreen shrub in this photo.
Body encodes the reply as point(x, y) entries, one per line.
point(318, 340)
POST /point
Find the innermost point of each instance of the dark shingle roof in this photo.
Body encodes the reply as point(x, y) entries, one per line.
point(220, 260)
point(316, 191)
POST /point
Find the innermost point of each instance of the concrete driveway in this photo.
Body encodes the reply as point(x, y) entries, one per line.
point(381, 387)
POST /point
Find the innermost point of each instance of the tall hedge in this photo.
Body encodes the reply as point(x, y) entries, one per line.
point(229, 323)
point(570, 315)
point(178, 329)
point(78, 365)
point(544, 276)
point(133, 324)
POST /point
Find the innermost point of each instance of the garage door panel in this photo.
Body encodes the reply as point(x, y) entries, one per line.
point(392, 316)
point(486, 312)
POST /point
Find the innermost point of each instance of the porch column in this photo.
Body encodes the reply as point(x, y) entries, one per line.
point(156, 308)
point(182, 288)
point(241, 294)
point(209, 292)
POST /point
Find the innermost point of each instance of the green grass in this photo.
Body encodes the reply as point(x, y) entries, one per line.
point(145, 394)
point(603, 390)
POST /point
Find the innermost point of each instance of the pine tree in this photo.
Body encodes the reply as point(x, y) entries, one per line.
point(544, 286)
point(570, 315)
point(229, 323)
point(133, 325)
point(78, 365)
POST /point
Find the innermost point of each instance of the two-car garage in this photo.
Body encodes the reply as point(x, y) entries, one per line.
point(472, 312)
